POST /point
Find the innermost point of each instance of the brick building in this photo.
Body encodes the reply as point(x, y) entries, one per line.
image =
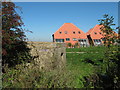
point(95, 36)
point(69, 33)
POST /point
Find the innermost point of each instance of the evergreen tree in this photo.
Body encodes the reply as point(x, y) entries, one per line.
point(109, 34)
point(112, 54)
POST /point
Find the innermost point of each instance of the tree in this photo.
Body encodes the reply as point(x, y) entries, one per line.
point(108, 33)
point(14, 46)
point(112, 53)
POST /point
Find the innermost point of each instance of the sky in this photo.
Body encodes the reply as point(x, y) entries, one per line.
point(45, 18)
point(66, 0)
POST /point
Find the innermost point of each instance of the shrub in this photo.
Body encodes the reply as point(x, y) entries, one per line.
point(14, 46)
point(69, 44)
point(76, 45)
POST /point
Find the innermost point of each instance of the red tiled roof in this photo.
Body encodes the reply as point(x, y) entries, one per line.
point(89, 31)
point(96, 30)
point(69, 28)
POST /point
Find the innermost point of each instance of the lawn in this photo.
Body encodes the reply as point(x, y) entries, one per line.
point(87, 63)
point(87, 49)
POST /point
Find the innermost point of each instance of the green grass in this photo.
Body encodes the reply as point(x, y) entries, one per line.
point(87, 49)
point(75, 58)
point(72, 76)
point(96, 54)
point(77, 62)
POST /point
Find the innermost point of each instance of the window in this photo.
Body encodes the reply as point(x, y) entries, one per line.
point(65, 32)
point(79, 32)
point(97, 41)
point(95, 33)
point(94, 40)
point(74, 39)
point(67, 39)
point(73, 32)
point(60, 32)
point(84, 40)
point(59, 40)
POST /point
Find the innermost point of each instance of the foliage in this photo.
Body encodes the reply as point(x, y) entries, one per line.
point(24, 77)
point(69, 44)
point(14, 48)
point(112, 58)
point(111, 61)
point(109, 34)
point(76, 45)
point(73, 76)
point(113, 68)
point(87, 49)
point(21, 76)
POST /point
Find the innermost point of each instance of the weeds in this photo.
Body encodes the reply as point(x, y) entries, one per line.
point(77, 73)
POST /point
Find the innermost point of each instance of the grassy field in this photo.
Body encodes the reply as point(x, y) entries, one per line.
point(87, 49)
point(94, 54)
point(78, 66)
point(87, 63)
